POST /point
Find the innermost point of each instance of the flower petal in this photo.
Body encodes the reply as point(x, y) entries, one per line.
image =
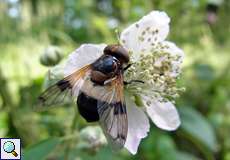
point(138, 126)
point(163, 114)
point(141, 36)
point(84, 55)
point(174, 51)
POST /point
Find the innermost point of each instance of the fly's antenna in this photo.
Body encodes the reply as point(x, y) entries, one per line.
point(117, 32)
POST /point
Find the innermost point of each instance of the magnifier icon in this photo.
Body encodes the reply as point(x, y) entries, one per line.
point(9, 147)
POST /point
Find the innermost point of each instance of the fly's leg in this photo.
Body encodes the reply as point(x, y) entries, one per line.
point(132, 81)
point(127, 67)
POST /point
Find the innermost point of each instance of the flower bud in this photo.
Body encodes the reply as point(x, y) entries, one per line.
point(92, 139)
point(53, 75)
point(51, 56)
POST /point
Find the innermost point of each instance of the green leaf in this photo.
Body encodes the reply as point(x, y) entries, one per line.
point(204, 72)
point(184, 155)
point(198, 128)
point(41, 150)
point(177, 155)
point(103, 153)
point(167, 145)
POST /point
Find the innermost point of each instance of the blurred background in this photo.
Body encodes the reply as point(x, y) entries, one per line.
point(35, 35)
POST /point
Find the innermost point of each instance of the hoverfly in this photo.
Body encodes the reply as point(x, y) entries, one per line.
point(99, 91)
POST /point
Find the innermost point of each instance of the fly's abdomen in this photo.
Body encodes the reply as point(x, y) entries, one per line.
point(87, 107)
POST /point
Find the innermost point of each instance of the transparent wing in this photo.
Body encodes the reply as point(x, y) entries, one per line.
point(60, 92)
point(113, 115)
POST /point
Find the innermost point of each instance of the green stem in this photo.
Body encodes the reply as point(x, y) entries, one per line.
point(74, 132)
point(4, 92)
point(8, 104)
point(74, 125)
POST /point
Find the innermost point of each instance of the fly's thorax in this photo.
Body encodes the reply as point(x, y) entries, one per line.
point(110, 64)
point(105, 68)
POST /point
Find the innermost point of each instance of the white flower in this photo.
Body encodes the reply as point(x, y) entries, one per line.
point(155, 61)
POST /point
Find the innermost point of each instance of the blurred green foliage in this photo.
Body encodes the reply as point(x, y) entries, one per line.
point(29, 27)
